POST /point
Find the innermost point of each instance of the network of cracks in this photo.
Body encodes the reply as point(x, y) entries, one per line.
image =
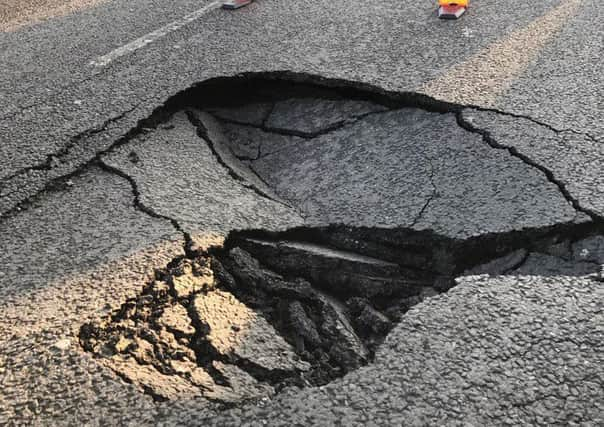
point(298, 308)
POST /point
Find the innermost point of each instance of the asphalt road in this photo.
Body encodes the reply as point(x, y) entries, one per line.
point(16, 14)
point(77, 76)
point(52, 95)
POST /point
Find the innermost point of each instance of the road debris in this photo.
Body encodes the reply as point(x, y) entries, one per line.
point(452, 9)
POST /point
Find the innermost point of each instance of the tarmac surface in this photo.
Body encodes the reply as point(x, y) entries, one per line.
point(14, 14)
point(481, 133)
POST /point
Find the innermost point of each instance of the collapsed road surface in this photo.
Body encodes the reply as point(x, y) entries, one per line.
point(266, 250)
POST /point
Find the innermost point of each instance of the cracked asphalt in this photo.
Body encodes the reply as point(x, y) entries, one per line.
point(500, 135)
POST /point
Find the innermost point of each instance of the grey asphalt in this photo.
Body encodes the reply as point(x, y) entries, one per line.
point(390, 44)
point(414, 169)
point(421, 375)
point(554, 150)
point(200, 195)
point(90, 243)
point(503, 350)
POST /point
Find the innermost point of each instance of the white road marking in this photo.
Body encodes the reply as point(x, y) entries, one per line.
point(143, 41)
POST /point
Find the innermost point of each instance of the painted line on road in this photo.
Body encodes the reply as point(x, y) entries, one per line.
point(143, 41)
point(488, 74)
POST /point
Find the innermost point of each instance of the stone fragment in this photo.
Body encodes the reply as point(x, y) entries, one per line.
point(182, 366)
point(122, 344)
point(589, 250)
point(373, 321)
point(160, 290)
point(237, 331)
point(62, 344)
point(143, 351)
point(147, 378)
point(176, 319)
point(356, 305)
point(367, 319)
point(168, 347)
point(345, 346)
point(190, 277)
point(303, 325)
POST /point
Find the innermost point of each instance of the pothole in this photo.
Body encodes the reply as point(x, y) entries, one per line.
point(246, 320)
point(300, 308)
point(297, 309)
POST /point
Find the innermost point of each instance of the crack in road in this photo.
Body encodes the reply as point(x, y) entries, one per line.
point(184, 98)
point(266, 311)
point(270, 310)
point(533, 120)
point(304, 135)
point(178, 345)
point(140, 206)
point(203, 133)
point(486, 135)
point(53, 158)
point(432, 196)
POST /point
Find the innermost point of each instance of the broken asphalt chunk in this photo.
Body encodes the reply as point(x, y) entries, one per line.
point(333, 269)
point(176, 319)
point(239, 333)
point(303, 326)
point(249, 273)
point(342, 341)
point(190, 277)
point(160, 386)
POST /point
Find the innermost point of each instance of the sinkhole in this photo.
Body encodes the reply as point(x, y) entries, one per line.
point(396, 201)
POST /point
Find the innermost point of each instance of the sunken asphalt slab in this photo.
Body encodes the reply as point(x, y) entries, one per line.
point(200, 195)
point(413, 169)
point(78, 251)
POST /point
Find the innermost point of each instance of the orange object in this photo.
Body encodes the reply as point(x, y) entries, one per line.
point(462, 3)
point(452, 9)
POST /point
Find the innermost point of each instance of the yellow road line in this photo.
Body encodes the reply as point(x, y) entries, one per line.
point(15, 14)
point(486, 75)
